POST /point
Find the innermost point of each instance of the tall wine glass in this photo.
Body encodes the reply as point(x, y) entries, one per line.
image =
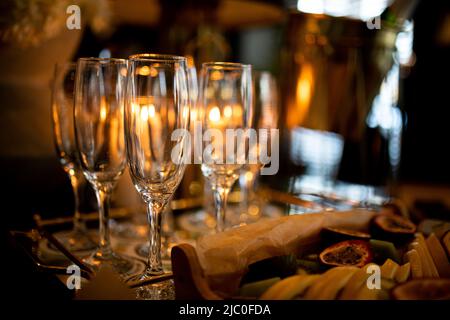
point(169, 236)
point(264, 116)
point(226, 104)
point(99, 98)
point(157, 106)
point(64, 138)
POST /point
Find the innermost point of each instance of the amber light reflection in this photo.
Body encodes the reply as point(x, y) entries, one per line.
point(303, 94)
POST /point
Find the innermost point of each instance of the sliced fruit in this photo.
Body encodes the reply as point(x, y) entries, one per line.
point(256, 289)
point(330, 283)
point(446, 242)
point(438, 227)
point(388, 269)
point(428, 268)
point(365, 293)
point(395, 224)
point(393, 227)
point(425, 289)
point(347, 253)
point(387, 284)
point(355, 283)
point(383, 250)
point(290, 287)
point(403, 273)
point(438, 255)
point(340, 234)
point(427, 256)
point(416, 266)
point(423, 261)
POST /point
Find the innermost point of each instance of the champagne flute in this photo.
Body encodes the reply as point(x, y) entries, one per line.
point(265, 116)
point(64, 138)
point(169, 237)
point(157, 106)
point(99, 97)
point(226, 104)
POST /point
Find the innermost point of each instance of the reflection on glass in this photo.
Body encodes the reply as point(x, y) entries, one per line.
point(225, 101)
point(264, 116)
point(64, 138)
point(99, 98)
point(157, 106)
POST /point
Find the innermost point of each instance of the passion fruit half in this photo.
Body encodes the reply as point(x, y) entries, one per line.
point(347, 253)
point(423, 289)
point(393, 227)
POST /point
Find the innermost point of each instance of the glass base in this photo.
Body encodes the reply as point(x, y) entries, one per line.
point(142, 250)
point(164, 290)
point(76, 240)
point(120, 264)
point(128, 230)
point(200, 223)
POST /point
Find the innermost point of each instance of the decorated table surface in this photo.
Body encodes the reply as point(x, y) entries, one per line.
point(355, 254)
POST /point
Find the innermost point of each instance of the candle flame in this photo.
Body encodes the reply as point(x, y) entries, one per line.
point(103, 109)
point(144, 114)
point(214, 114)
point(228, 111)
point(147, 111)
point(151, 111)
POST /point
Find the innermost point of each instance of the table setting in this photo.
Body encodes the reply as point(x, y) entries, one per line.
point(213, 165)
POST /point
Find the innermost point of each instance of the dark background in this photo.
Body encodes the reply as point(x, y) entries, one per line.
point(425, 102)
point(40, 186)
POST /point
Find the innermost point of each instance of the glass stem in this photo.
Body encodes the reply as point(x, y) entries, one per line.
point(154, 263)
point(78, 223)
point(246, 185)
point(103, 197)
point(220, 205)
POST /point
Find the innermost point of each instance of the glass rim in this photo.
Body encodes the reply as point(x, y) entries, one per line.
point(226, 65)
point(157, 57)
point(101, 60)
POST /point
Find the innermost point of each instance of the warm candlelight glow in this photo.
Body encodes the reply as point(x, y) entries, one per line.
point(144, 71)
point(134, 107)
point(123, 72)
point(103, 109)
point(216, 75)
point(147, 111)
point(214, 114)
point(144, 114)
point(305, 87)
point(151, 110)
point(227, 111)
point(190, 61)
point(237, 112)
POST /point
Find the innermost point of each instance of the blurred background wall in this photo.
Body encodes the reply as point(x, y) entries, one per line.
point(245, 31)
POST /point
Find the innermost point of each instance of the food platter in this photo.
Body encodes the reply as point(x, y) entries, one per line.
point(355, 255)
